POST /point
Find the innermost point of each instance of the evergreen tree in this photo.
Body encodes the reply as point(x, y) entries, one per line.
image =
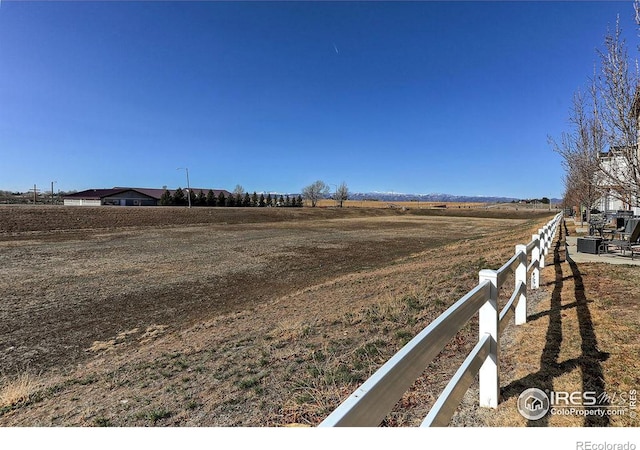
point(261, 201)
point(222, 201)
point(269, 199)
point(192, 196)
point(299, 201)
point(179, 198)
point(166, 199)
point(231, 201)
point(281, 200)
point(211, 198)
point(254, 199)
point(247, 200)
point(287, 201)
point(201, 200)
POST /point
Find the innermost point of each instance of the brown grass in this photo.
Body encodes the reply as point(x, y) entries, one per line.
point(368, 285)
point(326, 203)
point(581, 336)
point(16, 390)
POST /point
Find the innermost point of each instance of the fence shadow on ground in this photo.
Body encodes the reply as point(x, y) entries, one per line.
point(590, 360)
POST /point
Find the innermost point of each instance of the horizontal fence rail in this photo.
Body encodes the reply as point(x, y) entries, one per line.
point(370, 403)
point(446, 405)
point(510, 308)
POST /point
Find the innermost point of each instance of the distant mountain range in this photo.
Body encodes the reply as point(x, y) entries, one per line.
point(400, 197)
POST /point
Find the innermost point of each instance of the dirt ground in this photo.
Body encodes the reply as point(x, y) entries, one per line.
point(228, 317)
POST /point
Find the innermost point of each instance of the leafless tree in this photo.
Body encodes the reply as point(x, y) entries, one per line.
point(315, 191)
point(617, 106)
point(600, 153)
point(342, 193)
point(238, 192)
point(580, 150)
point(580, 186)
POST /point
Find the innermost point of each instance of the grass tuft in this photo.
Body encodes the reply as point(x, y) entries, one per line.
point(17, 390)
point(158, 414)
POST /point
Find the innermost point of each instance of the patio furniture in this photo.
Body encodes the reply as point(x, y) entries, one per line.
point(628, 241)
point(589, 245)
point(597, 223)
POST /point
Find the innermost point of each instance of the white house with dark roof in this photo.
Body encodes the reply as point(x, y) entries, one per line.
point(111, 197)
point(124, 196)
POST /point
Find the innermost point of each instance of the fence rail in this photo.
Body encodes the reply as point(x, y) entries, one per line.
point(370, 403)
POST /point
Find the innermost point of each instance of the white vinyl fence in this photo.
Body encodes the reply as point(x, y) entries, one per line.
point(377, 396)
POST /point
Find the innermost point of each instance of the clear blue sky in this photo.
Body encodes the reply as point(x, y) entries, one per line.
point(414, 97)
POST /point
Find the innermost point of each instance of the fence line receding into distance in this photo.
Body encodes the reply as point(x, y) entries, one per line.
point(370, 403)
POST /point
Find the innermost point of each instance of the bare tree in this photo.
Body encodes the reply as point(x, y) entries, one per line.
point(580, 186)
point(315, 191)
point(618, 107)
point(581, 149)
point(238, 193)
point(600, 152)
point(342, 193)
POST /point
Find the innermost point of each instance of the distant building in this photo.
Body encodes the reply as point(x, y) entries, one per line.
point(615, 165)
point(124, 196)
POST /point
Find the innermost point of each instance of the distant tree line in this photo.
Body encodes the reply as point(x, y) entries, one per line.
point(543, 200)
point(43, 196)
point(236, 199)
point(241, 198)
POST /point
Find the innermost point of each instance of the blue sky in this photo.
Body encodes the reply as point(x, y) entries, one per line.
point(414, 97)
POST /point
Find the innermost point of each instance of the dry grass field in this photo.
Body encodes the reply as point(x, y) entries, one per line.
point(230, 317)
point(582, 337)
point(407, 205)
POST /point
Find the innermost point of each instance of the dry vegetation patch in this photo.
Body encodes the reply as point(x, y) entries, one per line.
point(16, 390)
point(299, 316)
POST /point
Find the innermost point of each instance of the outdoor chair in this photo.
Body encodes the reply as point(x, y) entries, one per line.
point(596, 224)
point(628, 241)
point(615, 227)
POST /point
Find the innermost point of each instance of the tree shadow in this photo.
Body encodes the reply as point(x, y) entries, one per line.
point(590, 359)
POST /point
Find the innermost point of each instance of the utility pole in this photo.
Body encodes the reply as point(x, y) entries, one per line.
point(335, 195)
point(35, 194)
point(188, 187)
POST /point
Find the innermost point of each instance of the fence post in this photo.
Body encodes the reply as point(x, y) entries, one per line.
point(541, 246)
point(535, 256)
point(521, 277)
point(547, 239)
point(489, 375)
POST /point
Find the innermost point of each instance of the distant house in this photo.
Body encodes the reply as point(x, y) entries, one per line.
point(124, 196)
point(617, 180)
point(615, 163)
